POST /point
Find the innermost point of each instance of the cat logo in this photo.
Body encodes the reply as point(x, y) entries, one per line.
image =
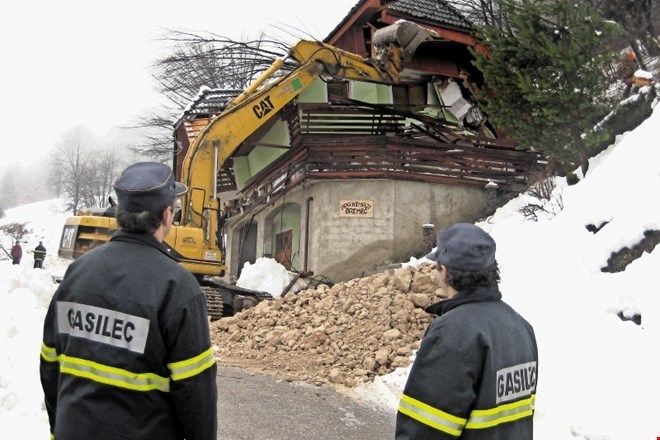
point(264, 107)
point(188, 240)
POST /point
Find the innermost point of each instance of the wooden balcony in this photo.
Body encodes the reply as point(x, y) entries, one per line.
point(388, 156)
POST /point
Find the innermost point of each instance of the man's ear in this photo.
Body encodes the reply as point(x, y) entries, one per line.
point(168, 214)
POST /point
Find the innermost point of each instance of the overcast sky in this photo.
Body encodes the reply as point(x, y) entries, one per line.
point(70, 63)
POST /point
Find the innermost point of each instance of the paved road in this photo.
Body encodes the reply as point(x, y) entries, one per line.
point(259, 407)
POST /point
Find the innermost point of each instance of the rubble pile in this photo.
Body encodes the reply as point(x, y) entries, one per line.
point(341, 335)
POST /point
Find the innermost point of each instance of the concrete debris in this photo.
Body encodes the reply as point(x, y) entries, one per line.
point(341, 335)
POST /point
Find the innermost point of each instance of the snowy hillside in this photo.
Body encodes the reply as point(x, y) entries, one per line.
point(597, 373)
point(44, 219)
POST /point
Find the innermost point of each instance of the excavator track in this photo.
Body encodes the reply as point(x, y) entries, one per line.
point(214, 304)
point(224, 299)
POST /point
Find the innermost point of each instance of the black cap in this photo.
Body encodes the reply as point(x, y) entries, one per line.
point(464, 246)
point(147, 186)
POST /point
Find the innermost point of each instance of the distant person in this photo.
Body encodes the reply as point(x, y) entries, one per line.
point(474, 375)
point(16, 253)
point(39, 255)
point(626, 70)
point(126, 350)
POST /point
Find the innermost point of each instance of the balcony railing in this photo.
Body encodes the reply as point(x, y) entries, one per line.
point(389, 157)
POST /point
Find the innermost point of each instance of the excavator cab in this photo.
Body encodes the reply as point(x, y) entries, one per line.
point(86, 231)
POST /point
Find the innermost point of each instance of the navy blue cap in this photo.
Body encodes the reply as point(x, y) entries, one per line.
point(464, 246)
point(147, 186)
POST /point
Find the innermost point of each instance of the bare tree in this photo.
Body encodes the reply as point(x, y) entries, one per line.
point(98, 174)
point(480, 12)
point(543, 200)
point(193, 62)
point(55, 178)
point(156, 128)
point(70, 162)
point(213, 61)
point(16, 231)
point(21, 184)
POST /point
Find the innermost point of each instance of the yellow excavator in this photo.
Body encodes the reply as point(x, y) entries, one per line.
point(197, 239)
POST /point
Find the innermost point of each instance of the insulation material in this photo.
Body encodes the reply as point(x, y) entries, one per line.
point(452, 97)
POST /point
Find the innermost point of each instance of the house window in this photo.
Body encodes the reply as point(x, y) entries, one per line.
point(409, 97)
point(283, 242)
point(337, 91)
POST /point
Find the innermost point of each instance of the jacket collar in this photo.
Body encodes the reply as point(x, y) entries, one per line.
point(143, 239)
point(479, 294)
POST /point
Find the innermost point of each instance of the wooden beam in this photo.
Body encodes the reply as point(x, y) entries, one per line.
point(359, 17)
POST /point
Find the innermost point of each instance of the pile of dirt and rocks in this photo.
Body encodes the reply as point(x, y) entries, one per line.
point(340, 335)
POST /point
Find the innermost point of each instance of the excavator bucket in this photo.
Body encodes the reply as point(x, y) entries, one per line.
point(404, 34)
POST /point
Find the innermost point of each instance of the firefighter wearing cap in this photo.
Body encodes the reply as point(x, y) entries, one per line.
point(475, 373)
point(126, 347)
point(39, 255)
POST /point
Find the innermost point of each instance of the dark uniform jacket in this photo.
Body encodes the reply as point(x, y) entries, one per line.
point(474, 375)
point(126, 350)
point(40, 252)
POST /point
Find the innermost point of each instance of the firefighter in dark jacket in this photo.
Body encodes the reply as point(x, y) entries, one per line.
point(126, 350)
point(39, 256)
point(474, 375)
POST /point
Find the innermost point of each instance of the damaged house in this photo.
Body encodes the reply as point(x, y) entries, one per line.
point(345, 179)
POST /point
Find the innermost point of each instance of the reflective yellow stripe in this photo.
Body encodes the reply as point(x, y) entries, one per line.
point(112, 376)
point(48, 353)
point(431, 416)
point(193, 366)
point(487, 418)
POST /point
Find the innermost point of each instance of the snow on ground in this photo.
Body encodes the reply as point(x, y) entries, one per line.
point(597, 373)
point(24, 296)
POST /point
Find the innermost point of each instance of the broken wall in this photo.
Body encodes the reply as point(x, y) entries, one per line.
point(351, 228)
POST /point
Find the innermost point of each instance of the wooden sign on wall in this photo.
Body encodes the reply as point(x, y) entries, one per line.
point(356, 208)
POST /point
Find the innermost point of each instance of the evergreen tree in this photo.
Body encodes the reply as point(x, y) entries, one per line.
point(547, 76)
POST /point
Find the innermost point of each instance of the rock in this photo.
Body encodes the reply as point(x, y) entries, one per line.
point(340, 335)
point(335, 376)
point(402, 279)
point(419, 299)
point(369, 364)
point(383, 356)
point(392, 334)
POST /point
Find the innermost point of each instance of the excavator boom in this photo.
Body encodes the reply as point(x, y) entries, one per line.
point(261, 101)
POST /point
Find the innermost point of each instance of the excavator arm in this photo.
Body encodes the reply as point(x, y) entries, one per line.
point(260, 102)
